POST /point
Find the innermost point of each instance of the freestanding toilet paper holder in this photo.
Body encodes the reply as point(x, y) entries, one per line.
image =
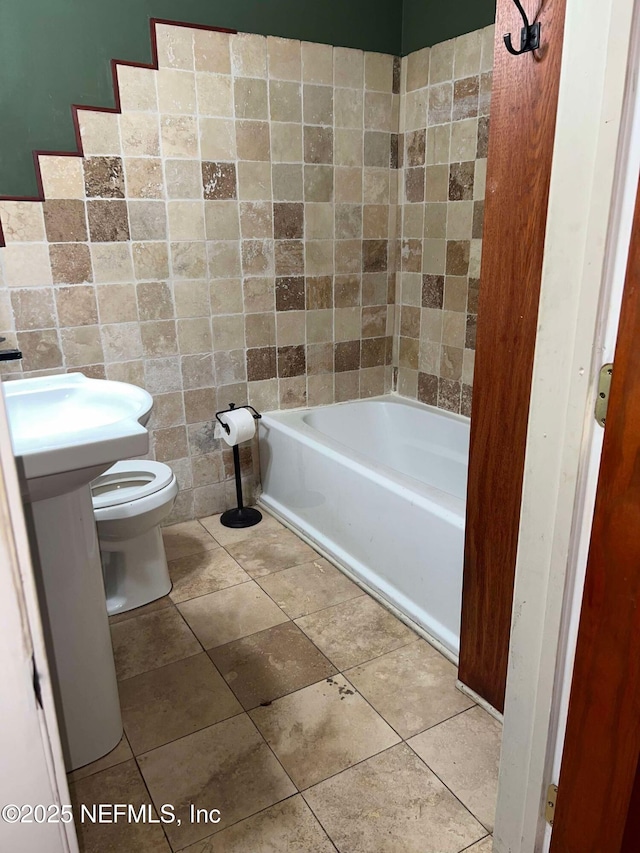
point(240, 516)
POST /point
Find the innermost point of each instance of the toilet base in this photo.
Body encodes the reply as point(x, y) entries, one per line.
point(239, 517)
point(135, 571)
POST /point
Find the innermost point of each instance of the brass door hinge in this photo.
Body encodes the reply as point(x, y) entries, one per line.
point(602, 400)
point(550, 807)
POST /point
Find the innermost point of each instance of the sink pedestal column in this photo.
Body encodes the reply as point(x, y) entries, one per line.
point(74, 615)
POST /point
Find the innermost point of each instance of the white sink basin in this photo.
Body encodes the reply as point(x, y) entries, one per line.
point(67, 429)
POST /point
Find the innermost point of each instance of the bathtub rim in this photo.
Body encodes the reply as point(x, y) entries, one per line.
point(391, 397)
point(444, 504)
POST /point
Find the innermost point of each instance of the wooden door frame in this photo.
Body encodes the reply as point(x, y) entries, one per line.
point(582, 228)
point(521, 141)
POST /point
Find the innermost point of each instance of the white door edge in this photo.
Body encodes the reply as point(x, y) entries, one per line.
point(33, 771)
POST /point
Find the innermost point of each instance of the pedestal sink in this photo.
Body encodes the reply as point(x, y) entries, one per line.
point(66, 430)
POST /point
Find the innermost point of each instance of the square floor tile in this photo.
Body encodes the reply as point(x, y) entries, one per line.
point(268, 552)
point(271, 664)
point(119, 755)
point(322, 729)
point(465, 753)
point(413, 688)
point(176, 700)
point(158, 604)
point(121, 784)
point(150, 641)
point(355, 631)
point(227, 767)
point(199, 574)
point(288, 827)
point(229, 535)
point(392, 803)
point(189, 537)
point(230, 614)
point(309, 587)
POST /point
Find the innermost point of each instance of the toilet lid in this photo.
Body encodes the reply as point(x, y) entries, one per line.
point(129, 481)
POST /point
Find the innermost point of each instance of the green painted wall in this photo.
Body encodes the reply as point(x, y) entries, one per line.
point(54, 53)
point(427, 22)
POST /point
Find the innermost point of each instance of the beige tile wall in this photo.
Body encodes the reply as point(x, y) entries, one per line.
point(225, 238)
point(444, 123)
point(252, 228)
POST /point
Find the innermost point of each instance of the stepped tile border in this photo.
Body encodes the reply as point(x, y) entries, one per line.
point(75, 108)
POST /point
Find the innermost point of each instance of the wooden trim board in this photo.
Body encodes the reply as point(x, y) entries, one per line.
point(523, 116)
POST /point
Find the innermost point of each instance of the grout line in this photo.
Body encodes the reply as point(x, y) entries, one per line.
point(435, 725)
point(344, 673)
point(402, 739)
point(210, 592)
point(317, 817)
point(360, 594)
point(299, 791)
point(369, 702)
point(327, 607)
point(350, 767)
point(188, 734)
point(272, 751)
point(131, 614)
point(255, 814)
point(144, 782)
point(291, 692)
point(451, 791)
point(488, 835)
point(242, 713)
point(247, 713)
point(375, 710)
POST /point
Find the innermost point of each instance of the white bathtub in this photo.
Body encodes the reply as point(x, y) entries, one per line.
point(380, 486)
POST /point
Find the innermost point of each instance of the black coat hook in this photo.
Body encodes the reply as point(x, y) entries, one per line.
point(529, 34)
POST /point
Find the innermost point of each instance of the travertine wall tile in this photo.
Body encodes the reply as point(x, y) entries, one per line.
point(317, 63)
point(62, 177)
point(23, 222)
point(140, 134)
point(445, 155)
point(211, 52)
point(175, 47)
point(26, 265)
point(137, 88)
point(348, 65)
point(248, 55)
point(244, 228)
point(100, 132)
point(284, 58)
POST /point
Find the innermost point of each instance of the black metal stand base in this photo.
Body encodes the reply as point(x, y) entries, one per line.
point(240, 517)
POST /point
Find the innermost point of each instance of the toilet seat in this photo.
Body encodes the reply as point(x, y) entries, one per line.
point(129, 481)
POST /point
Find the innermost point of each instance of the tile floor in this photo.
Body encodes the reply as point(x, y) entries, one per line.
point(269, 686)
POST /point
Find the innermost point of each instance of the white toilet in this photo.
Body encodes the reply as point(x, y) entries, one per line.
point(130, 501)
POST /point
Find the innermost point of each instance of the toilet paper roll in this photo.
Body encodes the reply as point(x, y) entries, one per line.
point(242, 426)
